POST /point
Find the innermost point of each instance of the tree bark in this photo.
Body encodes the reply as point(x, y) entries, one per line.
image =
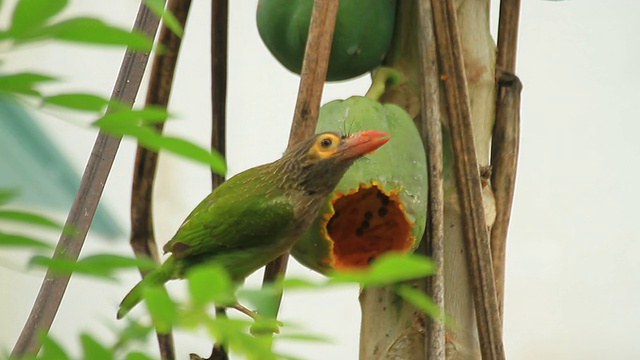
point(392, 329)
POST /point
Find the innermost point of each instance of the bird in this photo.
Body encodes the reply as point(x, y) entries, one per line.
point(258, 214)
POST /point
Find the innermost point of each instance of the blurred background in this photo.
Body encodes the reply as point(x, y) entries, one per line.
point(572, 288)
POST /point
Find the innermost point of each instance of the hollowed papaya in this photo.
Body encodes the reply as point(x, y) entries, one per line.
point(380, 204)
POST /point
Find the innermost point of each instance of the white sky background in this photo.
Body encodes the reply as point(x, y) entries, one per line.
point(572, 287)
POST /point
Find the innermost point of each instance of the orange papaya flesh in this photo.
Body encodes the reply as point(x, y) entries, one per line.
point(380, 203)
point(366, 223)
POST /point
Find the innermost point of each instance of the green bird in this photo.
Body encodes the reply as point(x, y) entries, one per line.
point(257, 215)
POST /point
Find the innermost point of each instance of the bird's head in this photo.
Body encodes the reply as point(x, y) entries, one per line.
point(321, 161)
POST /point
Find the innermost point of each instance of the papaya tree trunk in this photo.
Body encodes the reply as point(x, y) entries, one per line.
point(391, 328)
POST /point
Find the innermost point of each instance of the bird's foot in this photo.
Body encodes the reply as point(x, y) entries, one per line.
point(262, 325)
point(243, 309)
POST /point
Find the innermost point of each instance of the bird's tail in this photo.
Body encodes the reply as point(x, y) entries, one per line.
point(155, 278)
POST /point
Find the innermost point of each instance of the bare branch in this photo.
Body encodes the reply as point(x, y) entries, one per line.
point(142, 238)
point(506, 138)
point(219, 58)
point(468, 180)
point(508, 35)
point(314, 69)
point(313, 75)
point(431, 133)
point(504, 162)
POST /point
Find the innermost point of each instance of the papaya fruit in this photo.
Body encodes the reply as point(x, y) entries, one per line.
point(362, 34)
point(380, 204)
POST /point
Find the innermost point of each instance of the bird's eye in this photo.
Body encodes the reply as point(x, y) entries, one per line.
point(326, 142)
point(324, 146)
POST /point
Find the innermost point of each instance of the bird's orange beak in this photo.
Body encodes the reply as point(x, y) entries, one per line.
point(362, 143)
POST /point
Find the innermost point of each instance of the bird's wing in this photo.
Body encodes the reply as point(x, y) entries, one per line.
point(239, 214)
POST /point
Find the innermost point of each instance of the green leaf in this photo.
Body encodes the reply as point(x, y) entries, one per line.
point(115, 262)
point(136, 355)
point(93, 349)
point(101, 265)
point(133, 331)
point(61, 266)
point(23, 83)
point(7, 195)
point(306, 337)
point(161, 308)
point(119, 122)
point(29, 218)
point(77, 101)
point(264, 300)
point(387, 269)
point(210, 283)
point(51, 350)
point(420, 300)
point(22, 241)
point(33, 14)
point(135, 123)
point(233, 332)
point(298, 283)
point(169, 20)
point(94, 31)
point(184, 148)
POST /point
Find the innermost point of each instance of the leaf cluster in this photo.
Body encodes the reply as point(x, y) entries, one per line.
point(209, 286)
point(34, 21)
point(11, 239)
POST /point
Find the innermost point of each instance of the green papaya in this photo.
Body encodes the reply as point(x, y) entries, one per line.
point(380, 204)
point(362, 34)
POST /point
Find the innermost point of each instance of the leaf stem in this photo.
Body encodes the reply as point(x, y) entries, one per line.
point(383, 77)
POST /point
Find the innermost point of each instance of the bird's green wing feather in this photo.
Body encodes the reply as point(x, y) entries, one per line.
point(245, 212)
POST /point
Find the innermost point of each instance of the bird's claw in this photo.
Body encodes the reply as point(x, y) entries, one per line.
point(261, 325)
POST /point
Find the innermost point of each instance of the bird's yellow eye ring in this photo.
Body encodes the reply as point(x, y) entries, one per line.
point(325, 146)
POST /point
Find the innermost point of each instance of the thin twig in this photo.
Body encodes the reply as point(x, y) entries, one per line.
point(218, 351)
point(219, 58)
point(506, 138)
point(468, 180)
point(504, 163)
point(431, 132)
point(314, 69)
point(313, 75)
point(84, 205)
point(142, 238)
point(508, 35)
